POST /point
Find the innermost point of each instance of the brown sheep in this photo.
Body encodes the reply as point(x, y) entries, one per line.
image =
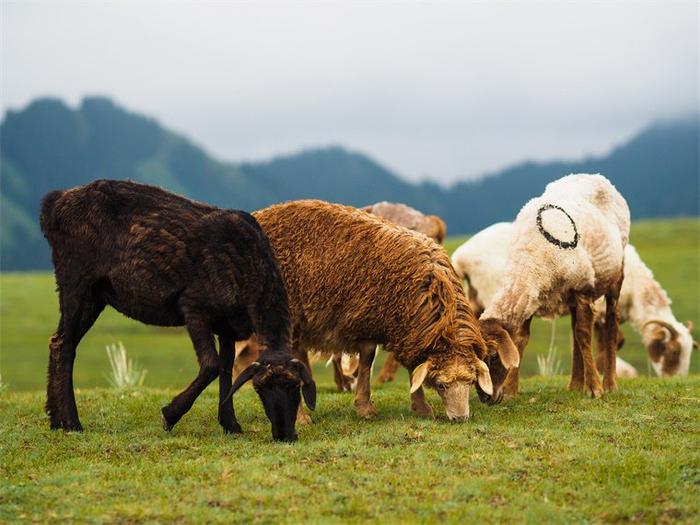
point(168, 261)
point(429, 225)
point(355, 281)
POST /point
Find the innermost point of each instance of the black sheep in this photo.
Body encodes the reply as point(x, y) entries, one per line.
point(168, 261)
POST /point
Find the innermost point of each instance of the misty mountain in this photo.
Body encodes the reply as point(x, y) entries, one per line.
point(49, 145)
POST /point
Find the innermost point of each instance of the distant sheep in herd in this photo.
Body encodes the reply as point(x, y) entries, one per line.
point(355, 281)
point(567, 250)
point(169, 261)
point(429, 225)
point(481, 261)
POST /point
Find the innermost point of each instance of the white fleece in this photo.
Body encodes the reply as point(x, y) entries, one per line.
point(588, 214)
point(482, 259)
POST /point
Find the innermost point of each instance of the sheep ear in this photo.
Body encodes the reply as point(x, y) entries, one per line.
point(419, 375)
point(497, 337)
point(308, 386)
point(510, 357)
point(689, 325)
point(308, 390)
point(245, 376)
point(484, 377)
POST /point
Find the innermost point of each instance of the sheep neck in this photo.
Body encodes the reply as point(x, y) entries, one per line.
point(643, 299)
point(514, 303)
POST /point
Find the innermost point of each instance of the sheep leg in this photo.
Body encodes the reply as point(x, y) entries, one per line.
point(227, 414)
point(610, 338)
point(78, 314)
point(388, 371)
point(511, 383)
point(419, 405)
point(582, 340)
point(576, 381)
point(600, 344)
point(203, 341)
point(52, 405)
point(303, 417)
point(342, 382)
point(363, 403)
point(599, 333)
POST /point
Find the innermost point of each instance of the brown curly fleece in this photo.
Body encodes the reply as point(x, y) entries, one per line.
point(354, 278)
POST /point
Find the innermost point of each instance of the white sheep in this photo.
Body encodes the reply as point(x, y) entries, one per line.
point(645, 304)
point(566, 251)
point(481, 261)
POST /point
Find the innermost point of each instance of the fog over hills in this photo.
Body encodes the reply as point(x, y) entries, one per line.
point(48, 145)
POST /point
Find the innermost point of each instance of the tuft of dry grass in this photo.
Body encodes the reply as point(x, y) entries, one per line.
point(124, 372)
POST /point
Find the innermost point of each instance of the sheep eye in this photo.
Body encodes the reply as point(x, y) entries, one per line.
point(440, 386)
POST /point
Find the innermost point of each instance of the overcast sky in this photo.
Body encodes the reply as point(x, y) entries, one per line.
point(443, 91)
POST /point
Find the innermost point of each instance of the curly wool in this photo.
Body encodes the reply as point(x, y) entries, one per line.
point(354, 278)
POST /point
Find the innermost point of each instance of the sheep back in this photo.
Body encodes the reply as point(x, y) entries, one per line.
point(353, 277)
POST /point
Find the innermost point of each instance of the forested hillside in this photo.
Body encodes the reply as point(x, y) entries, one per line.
point(49, 145)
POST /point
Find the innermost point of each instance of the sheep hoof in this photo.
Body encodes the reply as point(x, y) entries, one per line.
point(166, 426)
point(168, 422)
point(72, 427)
point(367, 411)
point(595, 391)
point(303, 418)
point(610, 387)
point(231, 428)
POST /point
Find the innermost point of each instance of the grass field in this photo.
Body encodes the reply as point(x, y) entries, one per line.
point(29, 313)
point(549, 455)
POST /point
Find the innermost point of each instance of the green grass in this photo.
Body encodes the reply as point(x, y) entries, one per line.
point(550, 455)
point(29, 313)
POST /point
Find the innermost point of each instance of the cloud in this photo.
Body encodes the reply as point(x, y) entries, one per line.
point(443, 91)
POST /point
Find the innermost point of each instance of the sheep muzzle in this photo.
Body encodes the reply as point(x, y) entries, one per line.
point(455, 398)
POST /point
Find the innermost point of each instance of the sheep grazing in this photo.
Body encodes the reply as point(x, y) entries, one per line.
point(481, 261)
point(645, 304)
point(344, 369)
point(566, 251)
point(355, 281)
point(429, 225)
point(168, 261)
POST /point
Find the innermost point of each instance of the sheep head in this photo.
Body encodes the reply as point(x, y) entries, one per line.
point(502, 355)
point(451, 375)
point(437, 229)
point(278, 380)
point(669, 346)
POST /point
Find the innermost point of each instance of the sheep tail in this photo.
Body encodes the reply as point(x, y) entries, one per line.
point(47, 217)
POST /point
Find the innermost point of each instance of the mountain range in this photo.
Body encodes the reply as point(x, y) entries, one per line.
point(49, 145)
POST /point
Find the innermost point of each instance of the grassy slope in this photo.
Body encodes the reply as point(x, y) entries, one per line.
point(28, 310)
point(548, 456)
